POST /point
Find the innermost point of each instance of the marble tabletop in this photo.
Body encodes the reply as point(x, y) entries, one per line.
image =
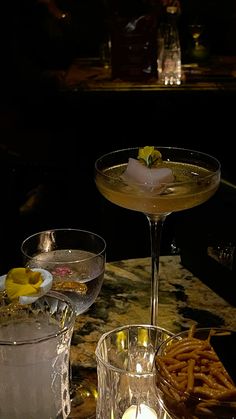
point(125, 299)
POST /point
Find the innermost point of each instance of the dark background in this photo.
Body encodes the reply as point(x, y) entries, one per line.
point(49, 139)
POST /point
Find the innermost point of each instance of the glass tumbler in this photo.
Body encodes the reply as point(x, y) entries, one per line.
point(34, 358)
point(126, 372)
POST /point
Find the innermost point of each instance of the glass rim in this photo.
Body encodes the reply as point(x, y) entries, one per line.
point(31, 341)
point(157, 147)
point(119, 329)
point(202, 154)
point(37, 234)
point(163, 147)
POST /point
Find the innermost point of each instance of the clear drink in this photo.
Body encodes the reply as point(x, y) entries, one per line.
point(34, 359)
point(77, 273)
point(76, 258)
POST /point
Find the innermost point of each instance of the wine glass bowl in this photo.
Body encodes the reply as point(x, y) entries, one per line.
point(212, 394)
point(76, 259)
point(193, 177)
point(196, 180)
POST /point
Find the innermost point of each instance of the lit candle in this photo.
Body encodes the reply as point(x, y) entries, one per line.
point(141, 412)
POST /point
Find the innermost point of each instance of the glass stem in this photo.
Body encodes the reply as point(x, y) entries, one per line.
point(156, 223)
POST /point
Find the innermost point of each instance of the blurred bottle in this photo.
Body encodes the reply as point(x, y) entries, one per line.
point(169, 50)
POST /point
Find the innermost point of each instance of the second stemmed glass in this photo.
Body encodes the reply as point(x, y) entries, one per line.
point(189, 178)
point(198, 49)
point(76, 258)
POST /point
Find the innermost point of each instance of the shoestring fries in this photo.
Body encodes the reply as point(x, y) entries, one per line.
point(194, 375)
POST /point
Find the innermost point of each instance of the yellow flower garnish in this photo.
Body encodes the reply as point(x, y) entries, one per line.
point(149, 155)
point(25, 285)
point(21, 282)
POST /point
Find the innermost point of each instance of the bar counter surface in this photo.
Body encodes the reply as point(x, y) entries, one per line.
point(125, 299)
point(88, 74)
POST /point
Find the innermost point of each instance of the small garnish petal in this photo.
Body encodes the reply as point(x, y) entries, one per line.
point(21, 281)
point(149, 155)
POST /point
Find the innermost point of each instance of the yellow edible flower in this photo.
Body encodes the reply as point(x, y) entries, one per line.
point(149, 155)
point(22, 281)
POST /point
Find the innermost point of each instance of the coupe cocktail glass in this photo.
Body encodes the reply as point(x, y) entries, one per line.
point(76, 259)
point(196, 177)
